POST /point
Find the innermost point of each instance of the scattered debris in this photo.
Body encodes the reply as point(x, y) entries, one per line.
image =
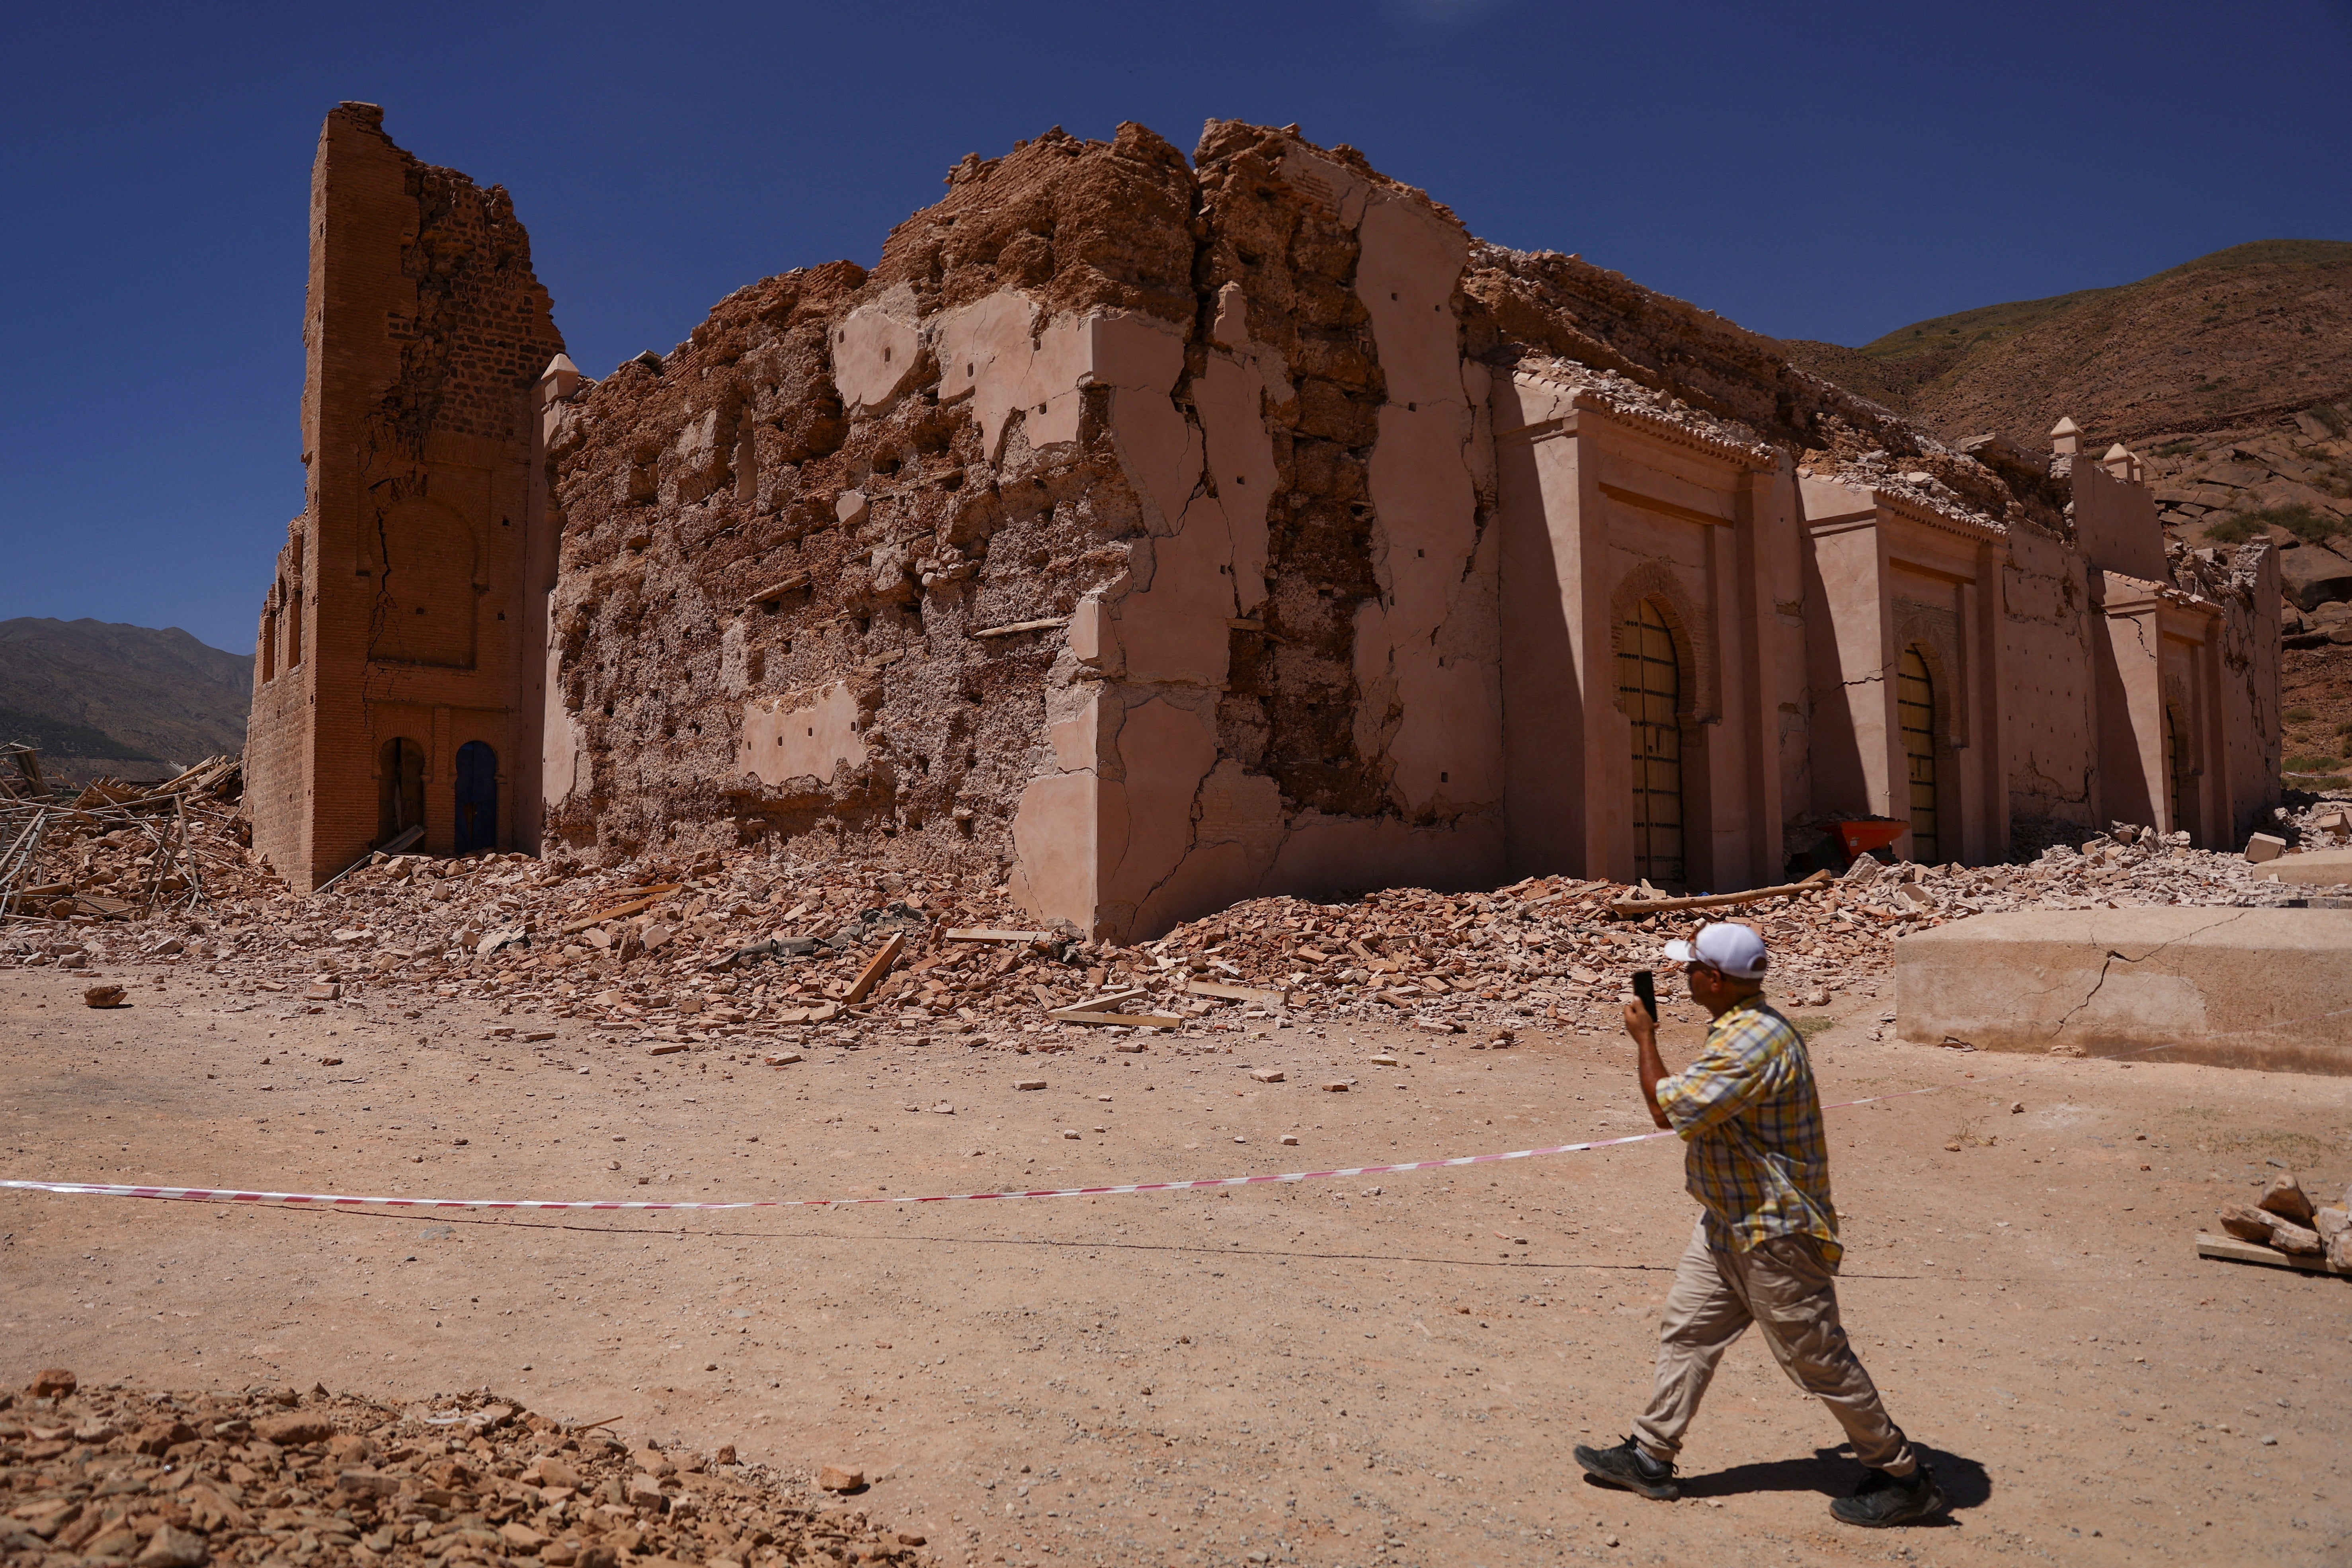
point(740, 948)
point(173, 1481)
point(2283, 1227)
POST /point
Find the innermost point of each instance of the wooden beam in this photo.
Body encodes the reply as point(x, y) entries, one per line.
point(1635, 909)
point(985, 933)
point(875, 968)
point(1110, 1001)
point(652, 897)
point(779, 589)
point(1048, 624)
point(2230, 1248)
point(1132, 1020)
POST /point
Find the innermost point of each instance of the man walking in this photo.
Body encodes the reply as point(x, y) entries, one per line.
point(1765, 1249)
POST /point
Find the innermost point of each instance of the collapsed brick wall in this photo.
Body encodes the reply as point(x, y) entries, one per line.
point(683, 488)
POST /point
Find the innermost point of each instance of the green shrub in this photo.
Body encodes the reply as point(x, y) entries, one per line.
point(2235, 530)
point(2301, 715)
point(2308, 763)
point(2298, 518)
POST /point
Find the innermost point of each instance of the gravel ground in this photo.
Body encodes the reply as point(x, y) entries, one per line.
point(1371, 1369)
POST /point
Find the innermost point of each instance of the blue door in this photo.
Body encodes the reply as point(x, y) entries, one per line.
point(477, 797)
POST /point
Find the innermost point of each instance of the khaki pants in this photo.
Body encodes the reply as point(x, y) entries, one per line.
point(1783, 1287)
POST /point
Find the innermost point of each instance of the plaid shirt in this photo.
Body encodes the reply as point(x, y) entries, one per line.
point(1747, 1109)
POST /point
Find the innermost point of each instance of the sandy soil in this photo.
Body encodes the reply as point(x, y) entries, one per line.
point(1345, 1372)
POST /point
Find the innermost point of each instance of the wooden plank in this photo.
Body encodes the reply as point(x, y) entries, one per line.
point(1132, 1020)
point(1238, 993)
point(652, 897)
point(2231, 1249)
point(1636, 908)
point(777, 590)
point(985, 933)
point(1049, 624)
point(1108, 1002)
point(875, 968)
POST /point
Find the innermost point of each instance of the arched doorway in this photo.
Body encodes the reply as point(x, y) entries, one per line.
point(1649, 684)
point(1915, 707)
point(477, 797)
point(400, 788)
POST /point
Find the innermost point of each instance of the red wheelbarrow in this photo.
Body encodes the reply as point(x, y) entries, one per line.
point(1844, 843)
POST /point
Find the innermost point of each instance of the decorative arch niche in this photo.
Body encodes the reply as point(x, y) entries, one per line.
point(427, 563)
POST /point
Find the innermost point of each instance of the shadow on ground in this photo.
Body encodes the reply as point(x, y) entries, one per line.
point(1832, 1473)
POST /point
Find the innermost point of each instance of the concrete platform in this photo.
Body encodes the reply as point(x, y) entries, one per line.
point(2319, 869)
point(2252, 988)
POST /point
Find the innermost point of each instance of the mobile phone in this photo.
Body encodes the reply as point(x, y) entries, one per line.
point(1645, 987)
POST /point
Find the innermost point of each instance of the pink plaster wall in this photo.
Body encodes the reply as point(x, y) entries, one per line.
point(803, 736)
point(2047, 699)
point(2115, 524)
point(876, 352)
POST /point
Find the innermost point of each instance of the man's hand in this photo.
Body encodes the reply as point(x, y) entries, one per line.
point(1648, 1068)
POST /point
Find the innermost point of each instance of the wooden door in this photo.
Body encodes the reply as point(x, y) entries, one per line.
point(1914, 706)
point(1649, 679)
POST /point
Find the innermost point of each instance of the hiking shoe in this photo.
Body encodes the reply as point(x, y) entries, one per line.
point(1882, 1500)
point(1626, 1466)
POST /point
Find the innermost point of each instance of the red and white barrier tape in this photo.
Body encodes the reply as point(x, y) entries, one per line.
point(339, 1200)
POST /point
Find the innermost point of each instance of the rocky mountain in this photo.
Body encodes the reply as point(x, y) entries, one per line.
point(2243, 335)
point(99, 697)
point(2231, 376)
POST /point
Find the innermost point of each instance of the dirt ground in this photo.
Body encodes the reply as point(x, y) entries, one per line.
point(1384, 1369)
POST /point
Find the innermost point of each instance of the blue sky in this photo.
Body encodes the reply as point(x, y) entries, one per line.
point(1827, 170)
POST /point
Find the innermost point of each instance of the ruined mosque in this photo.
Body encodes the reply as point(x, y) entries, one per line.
point(1148, 535)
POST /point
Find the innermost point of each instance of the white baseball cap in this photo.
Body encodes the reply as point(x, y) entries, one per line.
point(1732, 950)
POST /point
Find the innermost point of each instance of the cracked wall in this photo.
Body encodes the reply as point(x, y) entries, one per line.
point(398, 611)
point(2248, 988)
point(2050, 732)
point(1153, 533)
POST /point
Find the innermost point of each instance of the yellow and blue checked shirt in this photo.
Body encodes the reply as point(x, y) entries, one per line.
point(1747, 1109)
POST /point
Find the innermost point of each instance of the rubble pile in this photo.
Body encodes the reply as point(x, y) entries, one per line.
point(2290, 483)
point(741, 949)
point(2285, 1220)
point(119, 851)
point(114, 1474)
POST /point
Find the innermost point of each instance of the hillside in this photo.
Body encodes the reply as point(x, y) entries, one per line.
point(2232, 339)
point(96, 696)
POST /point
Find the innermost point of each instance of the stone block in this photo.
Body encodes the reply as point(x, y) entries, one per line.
point(2285, 1197)
point(2320, 869)
point(2231, 987)
point(2264, 846)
